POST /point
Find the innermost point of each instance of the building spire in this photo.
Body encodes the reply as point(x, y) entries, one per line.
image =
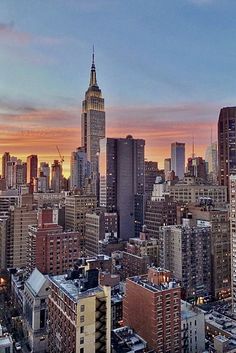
point(93, 78)
point(193, 152)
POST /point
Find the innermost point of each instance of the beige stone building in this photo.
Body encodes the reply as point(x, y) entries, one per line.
point(79, 313)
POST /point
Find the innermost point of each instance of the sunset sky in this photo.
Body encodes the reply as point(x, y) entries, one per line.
point(165, 68)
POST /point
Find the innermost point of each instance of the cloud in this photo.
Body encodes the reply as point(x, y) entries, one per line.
point(10, 35)
point(27, 128)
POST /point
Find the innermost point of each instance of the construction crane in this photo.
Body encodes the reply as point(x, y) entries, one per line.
point(61, 157)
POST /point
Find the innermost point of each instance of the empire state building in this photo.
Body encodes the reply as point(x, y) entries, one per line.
point(92, 120)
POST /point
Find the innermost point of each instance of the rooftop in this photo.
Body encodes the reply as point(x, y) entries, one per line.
point(74, 288)
point(157, 280)
point(125, 340)
point(222, 323)
point(188, 311)
point(36, 281)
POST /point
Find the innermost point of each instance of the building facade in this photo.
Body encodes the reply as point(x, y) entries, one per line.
point(186, 252)
point(232, 198)
point(79, 313)
point(178, 158)
point(226, 144)
point(79, 169)
point(51, 250)
point(152, 309)
point(121, 166)
point(93, 125)
point(35, 301)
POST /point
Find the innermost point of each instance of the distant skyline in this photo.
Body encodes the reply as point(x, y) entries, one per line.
point(165, 70)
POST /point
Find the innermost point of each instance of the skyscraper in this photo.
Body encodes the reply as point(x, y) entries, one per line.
point(121, 167)
point(151, 172)
point(211, 157)
point(232, 198)
point(56, 182)
point(78, 168)
point(167, 166)
point(186, 252)
point(32, 168)
point(226, 144)
point(5, 159)
point(45, 170)
point(178, 158)
point(92, 120)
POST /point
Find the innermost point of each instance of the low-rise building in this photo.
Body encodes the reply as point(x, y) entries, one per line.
point(125, 340)
point(217, 324)
point(192, 328)
point(35, 307)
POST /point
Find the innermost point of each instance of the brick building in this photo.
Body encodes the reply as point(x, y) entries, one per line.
point(51, 250)
point(152, 307)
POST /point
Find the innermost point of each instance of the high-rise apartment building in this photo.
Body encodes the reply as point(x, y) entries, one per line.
point(32, 167)
point(167, 166)
point(76, 207)
point(99, 226)
point(5, 159)
point(32, 171)
point(178, 158)
point(44, 170)
point(232, 198)
point(151, 172)
point(79, 168)
point(211, 158)
point(152, 308)
point(186, 252)
point(218, 220)
point(226, 144)
point(121, 167)
point(79, 313)
point(56, 176)
point(21, 173)
point(159, 213)
point(19, 220)
point(92, 120)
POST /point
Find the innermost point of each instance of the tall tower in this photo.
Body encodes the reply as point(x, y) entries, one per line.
point(32, 167)
point(226, 144)
point(92, 120)
point(121, 167)
point(5, 159)
point(178, 158)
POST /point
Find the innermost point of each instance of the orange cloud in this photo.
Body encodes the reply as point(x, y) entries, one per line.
point(26, 129)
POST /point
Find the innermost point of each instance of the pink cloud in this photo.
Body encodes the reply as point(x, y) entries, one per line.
point(39, 130)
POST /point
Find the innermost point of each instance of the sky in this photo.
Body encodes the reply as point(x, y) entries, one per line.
point(165, 68)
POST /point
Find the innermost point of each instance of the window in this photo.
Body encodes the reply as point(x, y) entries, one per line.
point(81, 340)
point(82, 329)
point(81, 318)
point(82, 308)
point(81, 350)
